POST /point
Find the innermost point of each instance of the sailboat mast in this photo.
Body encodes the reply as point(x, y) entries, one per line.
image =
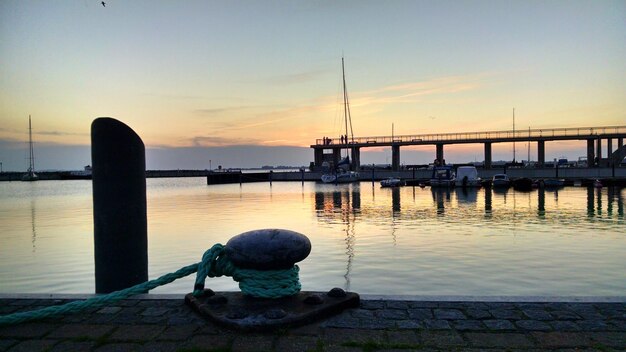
point(346, 104)
point(31, 155)
point(513, 134)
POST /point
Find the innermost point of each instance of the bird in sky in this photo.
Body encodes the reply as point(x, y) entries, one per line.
point(104, 4)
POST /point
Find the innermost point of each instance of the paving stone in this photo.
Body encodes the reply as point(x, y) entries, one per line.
point(394, 314)
point(397, 305)
point(342, 321)
point(179, 332)
point(564, 325)
point(506, 314)
point(592, 325)
point(90, 331)
point(612, 339)
point(441, 338)
point(376, 324)
point(478, 313)
point(155, 311)
point(206, 342)
point(361, 313)
point(248, 343)
point(564, 315)
point(119, 347)
point(403, 337)
point(498, 339)
point(6, 343)
point(561, 339)
point(420, 313)
point(537, 314)
point(533, 325)
point(409, 324)
point(474, 305)
point(109, 310)
point(468, 325)
point(434, 324)
point(423, 304)
point(297, 343)
point(161, 346)
point(26, 330)
point(448, 314)
point(73, 346)
point(339, 336)
point(137, 332)
point(373, 304)
point(33, 346)
point(498, 324)
point(501, 305)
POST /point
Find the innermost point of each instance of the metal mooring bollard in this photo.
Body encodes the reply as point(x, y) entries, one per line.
point(119, 206)
point(263, 261)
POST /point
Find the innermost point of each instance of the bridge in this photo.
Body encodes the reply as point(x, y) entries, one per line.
point(329, 149)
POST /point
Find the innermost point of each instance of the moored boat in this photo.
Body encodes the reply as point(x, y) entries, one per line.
point(500, 181)
point(467, 176)
point(391, 182)
point(442, 176)
point(553, 182)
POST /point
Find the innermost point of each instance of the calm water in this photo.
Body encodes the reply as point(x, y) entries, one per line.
point(365, 239)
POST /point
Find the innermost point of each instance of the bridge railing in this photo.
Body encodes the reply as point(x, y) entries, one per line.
point(482, 136)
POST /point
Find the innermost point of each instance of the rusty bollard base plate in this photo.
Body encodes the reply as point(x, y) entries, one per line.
point(237, 311)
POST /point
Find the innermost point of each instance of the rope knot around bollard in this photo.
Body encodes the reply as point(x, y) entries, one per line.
point(261, 261)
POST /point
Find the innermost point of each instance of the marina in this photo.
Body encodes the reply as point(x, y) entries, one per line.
point(406, 240)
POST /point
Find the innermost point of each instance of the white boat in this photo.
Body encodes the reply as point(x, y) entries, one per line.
point(30, 174)
point(442, 176)
point(391, 182)
point(467, 176)
point(500, 181)
point(342, 173)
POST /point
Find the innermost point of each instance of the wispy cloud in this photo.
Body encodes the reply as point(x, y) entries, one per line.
point(297, 78)
point(221, 110)
point(60, 133)
point(215, 141)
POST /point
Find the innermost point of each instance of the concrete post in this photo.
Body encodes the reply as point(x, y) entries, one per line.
point(356, 158)
point(599, 151)
point(119, 206)
point(487, 155)
point(541, 153)
point(620, 142)
point(318, 155)
point(609, 148)
point(395, 157)
point(439, 155)
point(590, 153)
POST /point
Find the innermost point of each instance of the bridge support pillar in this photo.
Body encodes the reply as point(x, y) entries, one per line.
point(609, 147)
point(439, 155)
point(318, 157)
point(336, 156)
point(487, 156)
point(599, 151)
point(590, 153)
point(356, 158)
point(541, 153)
point(395, 157)
point(620, 143)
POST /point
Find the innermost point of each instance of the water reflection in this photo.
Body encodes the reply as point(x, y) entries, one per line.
point(32, 222)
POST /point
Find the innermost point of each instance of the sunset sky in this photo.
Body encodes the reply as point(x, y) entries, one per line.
point(218, 80)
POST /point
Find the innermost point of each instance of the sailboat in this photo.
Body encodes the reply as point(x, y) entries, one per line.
point(342, 172)
point(30, 174)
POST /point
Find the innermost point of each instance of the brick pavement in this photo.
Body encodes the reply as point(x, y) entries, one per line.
point(377, 325)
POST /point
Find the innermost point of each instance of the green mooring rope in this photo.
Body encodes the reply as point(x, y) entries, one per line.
point(256, 283)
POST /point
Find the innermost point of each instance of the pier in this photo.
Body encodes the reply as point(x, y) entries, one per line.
point(328, 149)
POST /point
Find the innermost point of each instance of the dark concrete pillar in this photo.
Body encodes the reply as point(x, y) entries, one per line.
point(439, 155)
point(487, 155)
point(356, 158)
point(609, 147)
point(336, 156)
point(599, 150)
point(541, 152)
point(590, 153)
point(119, 206)
point(395, 157)
point(620, 142)
point(318, 155)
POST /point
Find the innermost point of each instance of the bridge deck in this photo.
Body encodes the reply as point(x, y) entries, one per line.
point(479, 137)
